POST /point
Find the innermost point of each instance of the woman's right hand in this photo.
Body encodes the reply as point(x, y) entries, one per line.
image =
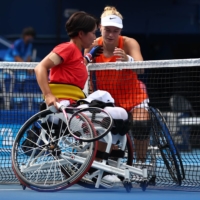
point(50, 100)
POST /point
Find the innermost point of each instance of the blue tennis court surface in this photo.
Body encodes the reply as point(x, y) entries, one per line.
point(191, 166)
point(15, 192)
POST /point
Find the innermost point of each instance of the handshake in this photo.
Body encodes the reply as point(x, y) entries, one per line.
point(94, 52)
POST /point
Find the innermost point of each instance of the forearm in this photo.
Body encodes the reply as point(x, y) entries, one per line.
point(42, 79)
point(132, 48)
point(137, 58)
point(131, 59)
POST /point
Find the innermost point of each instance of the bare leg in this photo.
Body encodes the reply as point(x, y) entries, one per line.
point(102, 147)
point(140, 145)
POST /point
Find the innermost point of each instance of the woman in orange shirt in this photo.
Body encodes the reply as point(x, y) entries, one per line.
point(123, 85)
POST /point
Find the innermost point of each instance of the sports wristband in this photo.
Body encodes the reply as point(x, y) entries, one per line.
point(130, 59)
point(88, 57)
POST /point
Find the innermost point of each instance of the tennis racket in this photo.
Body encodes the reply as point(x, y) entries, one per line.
point(80, 121)
point(168, 150)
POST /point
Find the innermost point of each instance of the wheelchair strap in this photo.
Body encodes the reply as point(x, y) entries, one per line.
point(96, 103)
point(102, 155)
point(118, 153)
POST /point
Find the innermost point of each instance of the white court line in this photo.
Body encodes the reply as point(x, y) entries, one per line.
point(10, 189)
point(189, 121)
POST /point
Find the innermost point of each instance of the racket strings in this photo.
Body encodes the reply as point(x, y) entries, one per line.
point(164, 146)
point(80, 127)
point(101, 121)
point(85, 122)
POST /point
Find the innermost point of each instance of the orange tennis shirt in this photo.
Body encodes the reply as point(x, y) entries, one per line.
point(123, 85)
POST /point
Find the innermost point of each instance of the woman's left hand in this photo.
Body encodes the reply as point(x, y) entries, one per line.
point(120, 55)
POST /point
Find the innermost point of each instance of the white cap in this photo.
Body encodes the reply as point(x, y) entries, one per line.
point(100, 95)
point(112, 20)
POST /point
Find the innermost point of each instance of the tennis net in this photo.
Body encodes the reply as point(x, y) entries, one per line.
point(172, 86)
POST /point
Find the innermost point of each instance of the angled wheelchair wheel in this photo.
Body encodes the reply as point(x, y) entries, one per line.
point(127, 159)
point(100, 119)
point(168, 150)
point(46, 157)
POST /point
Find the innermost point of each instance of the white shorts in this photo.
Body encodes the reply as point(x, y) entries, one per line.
point(144, 105)
point(116, 113)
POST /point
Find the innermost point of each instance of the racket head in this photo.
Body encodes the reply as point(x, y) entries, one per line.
point(168, 150)
point(85, 120)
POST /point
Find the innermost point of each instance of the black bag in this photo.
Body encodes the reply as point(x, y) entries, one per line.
point(95, 103)
point(30, 142)
point(33, 134)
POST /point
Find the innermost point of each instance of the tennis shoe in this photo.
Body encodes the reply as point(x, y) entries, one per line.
point(111, 178)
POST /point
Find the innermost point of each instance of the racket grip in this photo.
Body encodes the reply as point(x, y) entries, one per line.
point(54, 109)
point(59, 106)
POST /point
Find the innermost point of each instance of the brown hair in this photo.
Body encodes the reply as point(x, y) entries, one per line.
point(28, 31)
point(111, 10)
point(80, 21)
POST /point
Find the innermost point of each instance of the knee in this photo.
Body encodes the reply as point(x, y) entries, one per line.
point(140, 114)
point(117, 112)
point(120, 118)
point(141, 129)
point(120, 126)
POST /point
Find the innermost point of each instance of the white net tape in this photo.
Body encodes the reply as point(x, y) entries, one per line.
point(145, 64)
point(116, 65)
point(18, 65)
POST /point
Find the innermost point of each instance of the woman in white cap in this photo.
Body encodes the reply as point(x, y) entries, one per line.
point(124, 86)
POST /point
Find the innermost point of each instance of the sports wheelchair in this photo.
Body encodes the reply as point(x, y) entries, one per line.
point(49, 156)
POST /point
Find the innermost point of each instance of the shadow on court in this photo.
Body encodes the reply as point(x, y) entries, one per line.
point(15, 192)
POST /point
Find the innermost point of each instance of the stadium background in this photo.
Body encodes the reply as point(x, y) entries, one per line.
point(167, 29)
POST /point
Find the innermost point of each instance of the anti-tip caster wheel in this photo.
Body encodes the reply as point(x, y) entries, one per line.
point(144, 185)
point(128, 185)
point(23, 186)
point(152, 180)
